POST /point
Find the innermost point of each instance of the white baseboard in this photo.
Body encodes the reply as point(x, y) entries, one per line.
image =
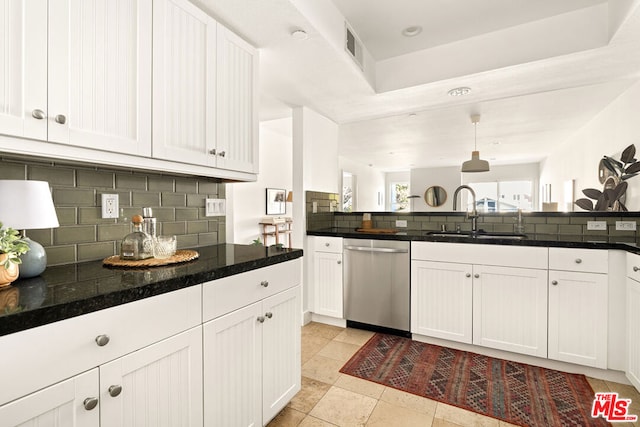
point(327, 320)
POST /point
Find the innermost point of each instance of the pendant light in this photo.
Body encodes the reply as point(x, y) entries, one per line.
point(475, 164)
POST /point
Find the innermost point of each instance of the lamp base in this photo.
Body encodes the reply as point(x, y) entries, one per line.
point(34, 262)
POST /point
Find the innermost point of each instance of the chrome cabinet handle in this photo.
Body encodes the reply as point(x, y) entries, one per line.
point(222, 153)
point(635, 268)
point(476, 275)
point(38, 114)
point(327, 244)
point(578, 261)
point(260, 319)
point(115, 390)
point(554, 282)
point(90, 403)
point(339, 262)
point(212, 151)
point(102, 340)
point(264, 284)
point(268, 315)
point(61, 119)
point(468, 275)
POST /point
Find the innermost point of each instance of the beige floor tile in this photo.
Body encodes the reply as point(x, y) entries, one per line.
point(463, 417)
point(310, 421)
point(385, 414)
point(409, 401)
point(439, 422)
point(311, 345)
point(598, 385)
point(322, 369)
point(344, 408)
point(321, 330)
point(310, 394)
point(359, 385)
point(506, 424)
point(337, 350)
point(354, 336)
point(287, 418)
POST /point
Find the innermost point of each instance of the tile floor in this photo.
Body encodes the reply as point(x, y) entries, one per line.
point(329, 398)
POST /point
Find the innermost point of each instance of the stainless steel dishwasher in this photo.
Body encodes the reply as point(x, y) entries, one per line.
point(376, 285)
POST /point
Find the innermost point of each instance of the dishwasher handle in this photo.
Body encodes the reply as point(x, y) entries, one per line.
point(370, 249)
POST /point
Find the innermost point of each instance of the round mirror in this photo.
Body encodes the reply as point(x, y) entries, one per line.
point(435, 196)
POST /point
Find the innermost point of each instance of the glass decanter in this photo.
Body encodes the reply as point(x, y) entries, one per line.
point(138, 244)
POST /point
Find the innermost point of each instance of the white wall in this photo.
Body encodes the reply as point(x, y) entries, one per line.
point(369, 182)
point(613, 129)
point(248, 199)
point(421, 179)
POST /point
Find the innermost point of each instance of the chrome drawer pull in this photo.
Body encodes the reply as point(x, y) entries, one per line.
point(260, 319)
point(554, 282)
point(90, 403)
point(115, 390)
point(468, 274)
point(268, 315)
point(635, 268)
point(264, 284)
point(102, 340)
point(476, 276)
point(38, 114)
point(60, 119)
point(578, 261)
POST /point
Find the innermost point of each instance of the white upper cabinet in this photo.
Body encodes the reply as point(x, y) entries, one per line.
point(237, 87)
point(184, 83)
point(23, 68)
point(100, 74)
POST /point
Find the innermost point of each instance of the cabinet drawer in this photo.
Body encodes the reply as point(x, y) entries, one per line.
point(231, 293)
point(327, 244)
point(71, 347)
point(633, 266)
point(587, 260)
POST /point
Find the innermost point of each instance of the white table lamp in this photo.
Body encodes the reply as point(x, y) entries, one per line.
point(27, 205)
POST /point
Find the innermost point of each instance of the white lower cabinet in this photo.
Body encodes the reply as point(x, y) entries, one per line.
point(66, 404)
point(327, 276)
point(633, 320)
point(252, 361)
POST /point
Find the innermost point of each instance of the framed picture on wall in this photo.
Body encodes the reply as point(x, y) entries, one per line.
point(276, 198)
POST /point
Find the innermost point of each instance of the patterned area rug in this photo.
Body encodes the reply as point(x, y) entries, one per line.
point(518, 393)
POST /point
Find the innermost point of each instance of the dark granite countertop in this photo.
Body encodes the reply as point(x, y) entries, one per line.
point(562, 241)
point(66, 291)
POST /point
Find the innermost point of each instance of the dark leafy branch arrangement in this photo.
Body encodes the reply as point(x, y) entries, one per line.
point(612, 198)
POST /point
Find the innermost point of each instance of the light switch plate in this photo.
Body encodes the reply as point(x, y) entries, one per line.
point(625, 226)
point(215, 207)
point(597, 225)
point(401, 223)
point(110, 206)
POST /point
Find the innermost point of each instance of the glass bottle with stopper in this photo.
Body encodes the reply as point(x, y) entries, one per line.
point(138, 244)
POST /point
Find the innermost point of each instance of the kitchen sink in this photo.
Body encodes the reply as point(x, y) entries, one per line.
point(478, 235)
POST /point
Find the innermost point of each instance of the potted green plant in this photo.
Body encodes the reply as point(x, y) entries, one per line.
point(11, 247)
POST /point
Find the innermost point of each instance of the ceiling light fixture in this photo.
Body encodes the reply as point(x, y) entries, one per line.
point(475, 164)
point(460, 91)
point(412, 31)
point(299, 34)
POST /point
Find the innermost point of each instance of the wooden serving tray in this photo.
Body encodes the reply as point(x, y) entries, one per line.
point(377, 230)
point(181, 255)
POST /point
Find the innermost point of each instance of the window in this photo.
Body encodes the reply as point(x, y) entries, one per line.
point(348, 192)
point(399, 196)
point(502, 196)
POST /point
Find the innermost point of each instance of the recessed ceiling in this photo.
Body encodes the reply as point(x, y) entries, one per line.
point(538, 70)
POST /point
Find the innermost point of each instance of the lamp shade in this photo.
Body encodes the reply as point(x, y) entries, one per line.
point(475, 164)
point(27, 205)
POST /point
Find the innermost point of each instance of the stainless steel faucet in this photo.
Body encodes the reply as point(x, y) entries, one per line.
point(473, 215)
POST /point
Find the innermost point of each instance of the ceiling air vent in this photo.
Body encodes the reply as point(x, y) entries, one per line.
point(353, 46)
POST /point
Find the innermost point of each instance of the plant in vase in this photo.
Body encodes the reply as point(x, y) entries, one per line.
point(11, 247)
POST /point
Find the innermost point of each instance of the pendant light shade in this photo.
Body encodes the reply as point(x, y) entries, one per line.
point(475, 164)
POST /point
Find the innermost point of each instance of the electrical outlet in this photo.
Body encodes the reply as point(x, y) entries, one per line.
point(215, 207)
point(110, 206)
point(597, 225)
point(625, 226)
point(401, 223)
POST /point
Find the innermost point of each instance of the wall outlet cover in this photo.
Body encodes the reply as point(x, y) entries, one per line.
point(625, 226)
point(401, 223)
point(110, 206)
point(215, 207)
point(597, 225)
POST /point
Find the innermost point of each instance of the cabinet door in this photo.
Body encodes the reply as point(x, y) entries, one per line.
point(633, 332)
point(578, 318)
point(100, 74)
point(62, 404)
point(237, 83)
point(159, 385)
point(441, 300)
point(281, 369)
point(510, 309)
point(233, 368)
point(327, 284)
point(184, 83)
point(23, 68)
